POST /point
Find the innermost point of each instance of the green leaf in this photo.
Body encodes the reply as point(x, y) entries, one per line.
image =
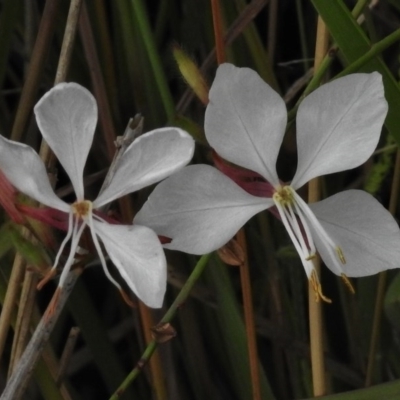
point(353, 44)
point(386, 391)
point(234, 334)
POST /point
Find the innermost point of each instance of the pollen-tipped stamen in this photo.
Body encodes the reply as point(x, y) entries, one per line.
point(340, 255)
point(284, 202)
point(348, 283)
point(76, 236)
point(316, 285)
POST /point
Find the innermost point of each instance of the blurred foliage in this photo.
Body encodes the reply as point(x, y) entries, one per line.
point(134, 42)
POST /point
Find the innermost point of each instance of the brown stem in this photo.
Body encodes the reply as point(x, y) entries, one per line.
point(315, 308)
point(249, 319)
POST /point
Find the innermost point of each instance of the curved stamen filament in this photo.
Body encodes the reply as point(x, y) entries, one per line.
point(100, 253)
point(330, 245)
point(306, 229)
point(299, 234)
point(308, 266)
point(66, 239)
point(76, 235)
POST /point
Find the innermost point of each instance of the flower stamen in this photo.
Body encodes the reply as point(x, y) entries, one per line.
point(340, 255)
point(82, 208)
point(348, 284)
point(316, 285)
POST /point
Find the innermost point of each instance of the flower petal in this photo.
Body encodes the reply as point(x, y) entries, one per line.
point(67, 117)
point(365, 231)
point(149, 159)
point(139, 257)
point(199, 208)
point(23, 167)
point(339, 125)
point(245, 120)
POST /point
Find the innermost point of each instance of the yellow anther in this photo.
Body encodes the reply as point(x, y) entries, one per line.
point(284, 196)
point(318, 288)
point(340, 255)
point(82, 208)
point(311, 257)
point(347, 282)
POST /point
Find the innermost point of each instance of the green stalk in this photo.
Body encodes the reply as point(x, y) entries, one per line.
point(149, 43)
point(325, 63)
point(376, 49)
point(151, 347)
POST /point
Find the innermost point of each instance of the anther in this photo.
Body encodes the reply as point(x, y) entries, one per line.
point(82, 208)
point(340, 255)
point(318, 288)
point(311, 257)
point(347, 282)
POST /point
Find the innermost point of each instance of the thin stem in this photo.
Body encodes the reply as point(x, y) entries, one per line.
point(218, 31)
point(45, 152)
point(376, 324)
point(151, 347)
point(302, 34)
point(376, 49)
point(249, 319)
point(324, 63)
point(92, 59)
point(39, 53)
point(315, 308)
point(155, 62)
point(26, 365)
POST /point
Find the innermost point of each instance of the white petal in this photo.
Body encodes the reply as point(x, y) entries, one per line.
point(199, 208)
point(149, 159)
point(339, 125)
point(67, 117)
point(23, 167)
point(365, 231)
point(245, 120)
point(139, 257)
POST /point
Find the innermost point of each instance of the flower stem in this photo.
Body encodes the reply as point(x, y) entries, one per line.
point(249, 319)
point(218, 31)
point(394, 195)
point(151, 347)
point(45, 153)
point(323, 64)
point(26, 365)
point(315, 309)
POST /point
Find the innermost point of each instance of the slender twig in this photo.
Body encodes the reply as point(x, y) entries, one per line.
point(20, 378)
point(151, 347)
point(315, 310)
point(25, 308)
point(272, 30)
point(325, 63)
point(237, 27)
point(249, 319)
point(150, 45)
point(28, 95)
point(218, 31)
point(13, 288)
point(375, 49)
point(92, 59)
point(29, 286)
point(67, 353)
point(376, 324)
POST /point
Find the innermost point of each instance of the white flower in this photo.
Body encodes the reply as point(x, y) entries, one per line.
point(338, 128)
point(67, 117)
